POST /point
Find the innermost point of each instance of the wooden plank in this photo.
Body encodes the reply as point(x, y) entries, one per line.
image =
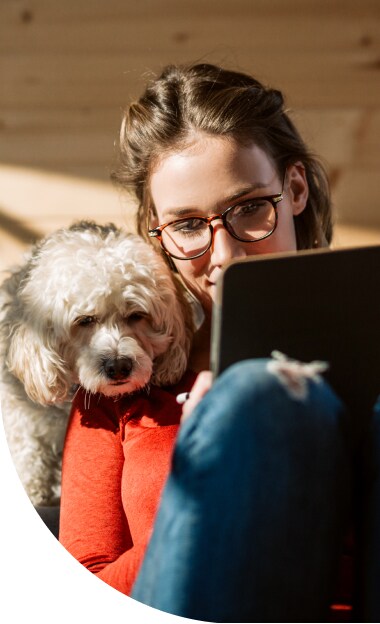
point(87, 148)
point(60, 120)
point(27, 11)
point(356, 196)
point(354, 236)
point(330, 133)
point(197, 34)
point(38, 198)
point(368, 141)
point(72, 81)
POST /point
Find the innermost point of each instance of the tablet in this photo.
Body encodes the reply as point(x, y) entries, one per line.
point(309, 305)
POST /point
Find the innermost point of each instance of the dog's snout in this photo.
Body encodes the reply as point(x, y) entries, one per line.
point(118, 368)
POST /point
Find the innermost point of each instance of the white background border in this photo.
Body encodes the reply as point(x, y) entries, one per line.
point(41, 581)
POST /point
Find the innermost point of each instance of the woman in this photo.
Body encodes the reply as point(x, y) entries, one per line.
point(251, 517)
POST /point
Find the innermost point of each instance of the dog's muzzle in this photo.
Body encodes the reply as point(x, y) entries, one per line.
point(118, 369)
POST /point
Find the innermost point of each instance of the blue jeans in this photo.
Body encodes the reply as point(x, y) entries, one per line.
point(368, 534)
point(251, 518)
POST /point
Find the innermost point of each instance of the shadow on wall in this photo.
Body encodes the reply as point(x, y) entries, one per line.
point(18, 230)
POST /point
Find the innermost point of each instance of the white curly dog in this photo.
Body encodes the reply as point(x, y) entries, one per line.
point(92, 306)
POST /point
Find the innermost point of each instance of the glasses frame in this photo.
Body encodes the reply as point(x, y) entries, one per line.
point(273, 199)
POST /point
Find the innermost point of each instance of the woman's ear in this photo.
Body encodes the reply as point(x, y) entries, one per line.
point(297, 187)
point(153, 221)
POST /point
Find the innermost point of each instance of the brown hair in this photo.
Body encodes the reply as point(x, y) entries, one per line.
point(219, 102)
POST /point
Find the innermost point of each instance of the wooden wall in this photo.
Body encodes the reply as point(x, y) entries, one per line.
point(68, 67)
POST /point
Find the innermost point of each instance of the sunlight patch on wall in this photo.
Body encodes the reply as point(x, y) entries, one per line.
point(35, 202)
point(47, 200)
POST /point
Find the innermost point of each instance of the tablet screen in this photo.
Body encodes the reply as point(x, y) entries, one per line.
point(311, 305)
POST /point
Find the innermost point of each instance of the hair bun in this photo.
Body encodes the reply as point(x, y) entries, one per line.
point(278, 97)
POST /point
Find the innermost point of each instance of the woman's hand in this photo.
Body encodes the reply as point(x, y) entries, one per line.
point(201, 386)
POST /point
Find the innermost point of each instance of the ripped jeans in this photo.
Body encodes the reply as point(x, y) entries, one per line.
point(252, 515)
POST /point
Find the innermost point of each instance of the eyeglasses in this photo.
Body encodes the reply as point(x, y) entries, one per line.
point(248, 221)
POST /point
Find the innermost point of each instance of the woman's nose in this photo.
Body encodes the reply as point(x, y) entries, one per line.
point(224, 246)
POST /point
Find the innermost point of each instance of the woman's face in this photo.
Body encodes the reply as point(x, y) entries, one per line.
point(201, 180)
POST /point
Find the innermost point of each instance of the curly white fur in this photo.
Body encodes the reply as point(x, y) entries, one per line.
point(93, 306)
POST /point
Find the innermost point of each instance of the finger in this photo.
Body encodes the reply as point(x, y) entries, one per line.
point(201, 386)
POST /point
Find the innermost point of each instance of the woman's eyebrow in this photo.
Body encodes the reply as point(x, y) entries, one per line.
point(245, 191)
point(177, 213)
point(185, 211)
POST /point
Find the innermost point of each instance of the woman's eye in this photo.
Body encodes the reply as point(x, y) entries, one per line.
point(85, 320)
point(189, 227)
point(249, 208)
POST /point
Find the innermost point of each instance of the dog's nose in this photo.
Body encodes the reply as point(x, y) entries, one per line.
point(118, 368)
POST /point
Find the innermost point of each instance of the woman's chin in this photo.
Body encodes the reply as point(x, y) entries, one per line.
point(212, 291)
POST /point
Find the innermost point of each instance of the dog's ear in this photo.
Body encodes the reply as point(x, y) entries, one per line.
point(33, 360)
point(171, 365)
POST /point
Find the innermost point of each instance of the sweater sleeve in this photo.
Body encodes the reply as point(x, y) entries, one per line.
point(93, 524)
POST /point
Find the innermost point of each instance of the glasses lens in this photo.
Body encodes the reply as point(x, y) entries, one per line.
point(252, 220)
point(186, 238)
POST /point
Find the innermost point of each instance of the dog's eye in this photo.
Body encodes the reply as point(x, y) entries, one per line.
point(136, 316)
point(85, 320)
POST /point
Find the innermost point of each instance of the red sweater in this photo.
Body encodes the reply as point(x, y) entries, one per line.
point(116, 460)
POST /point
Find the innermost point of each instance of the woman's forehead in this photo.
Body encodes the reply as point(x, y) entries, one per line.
point(214, 171)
